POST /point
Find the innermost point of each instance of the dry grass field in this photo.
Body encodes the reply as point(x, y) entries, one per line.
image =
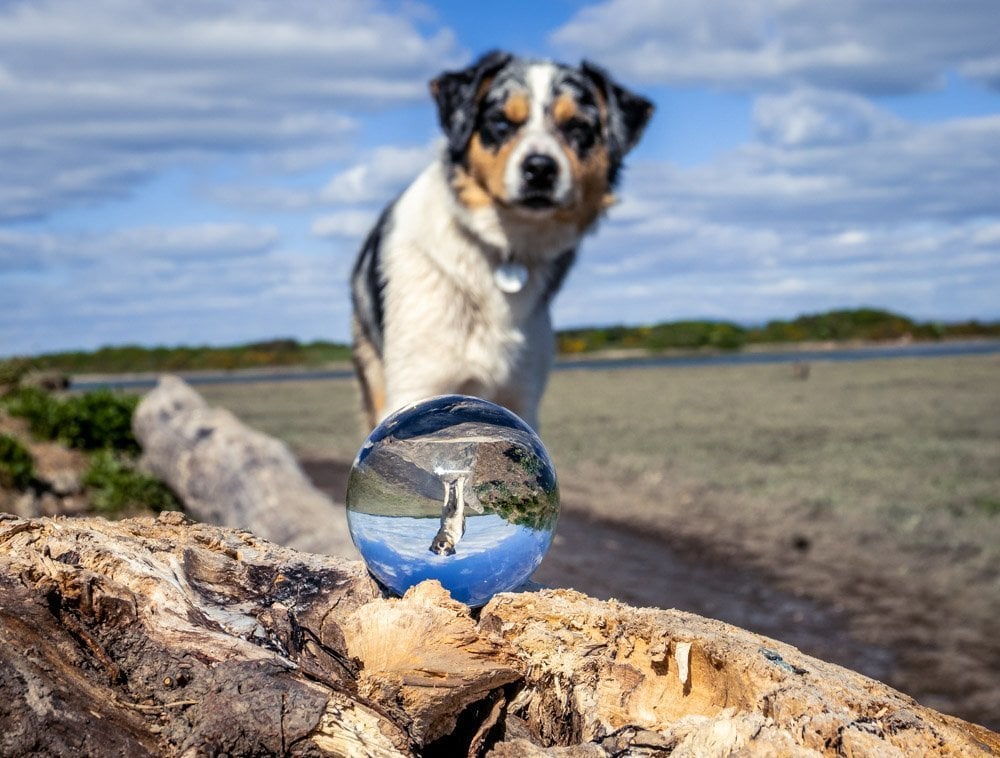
point(863, 501)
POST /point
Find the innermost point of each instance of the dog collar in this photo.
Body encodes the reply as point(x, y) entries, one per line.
point(511, 277)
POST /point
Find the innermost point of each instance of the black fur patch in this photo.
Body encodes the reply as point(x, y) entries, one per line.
point(491, 122)
point(367, 283)
point(628, 115)
point(583, 131)
point(560, 268)
point(455, 93)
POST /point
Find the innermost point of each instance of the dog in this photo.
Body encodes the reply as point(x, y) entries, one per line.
point(452, 288)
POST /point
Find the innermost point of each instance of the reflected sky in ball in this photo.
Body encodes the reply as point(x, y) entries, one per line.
point(493, 558)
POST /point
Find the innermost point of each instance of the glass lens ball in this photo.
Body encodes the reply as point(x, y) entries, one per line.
point(457, 489)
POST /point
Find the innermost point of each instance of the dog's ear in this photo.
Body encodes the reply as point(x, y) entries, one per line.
point(628, 113)
point(455, 93)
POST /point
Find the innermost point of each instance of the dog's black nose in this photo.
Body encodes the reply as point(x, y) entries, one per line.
point(539, 171)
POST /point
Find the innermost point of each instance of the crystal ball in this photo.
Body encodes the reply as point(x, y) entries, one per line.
point(457, 489)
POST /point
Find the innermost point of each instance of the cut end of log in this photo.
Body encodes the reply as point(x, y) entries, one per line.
point(229, 474)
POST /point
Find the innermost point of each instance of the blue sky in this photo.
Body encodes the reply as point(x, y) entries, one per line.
point(181, 172)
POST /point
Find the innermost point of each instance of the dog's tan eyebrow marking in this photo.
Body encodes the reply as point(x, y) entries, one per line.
point(564, 109)
point(517, 108)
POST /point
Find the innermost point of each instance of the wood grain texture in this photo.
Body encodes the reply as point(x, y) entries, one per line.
point(167, 637)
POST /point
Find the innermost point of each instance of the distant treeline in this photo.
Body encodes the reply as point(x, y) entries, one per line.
point(864, 324)
point(134, 358)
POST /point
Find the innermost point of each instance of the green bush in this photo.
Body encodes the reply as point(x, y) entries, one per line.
point(988, 505)
point(98, 420)
point(17, 467)
point(92, 421)
point(725, 336)
point(115, 486)
point(126, 358)
point(37, 407)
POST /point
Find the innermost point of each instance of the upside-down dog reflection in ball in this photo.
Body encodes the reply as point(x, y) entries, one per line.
point(457, 489)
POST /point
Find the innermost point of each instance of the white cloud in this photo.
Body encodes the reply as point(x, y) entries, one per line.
point(809, 117)
point(942, 172)
point(374, 177)
point(852, 45)
point(44, 252)
point(379, 175)
point(986, 70)
point(189, 285)
point(99, 95)
point(350, 223)
point(893, 214)
point(361, 190)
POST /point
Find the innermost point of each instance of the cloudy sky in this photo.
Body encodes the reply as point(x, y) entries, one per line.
point(203, 171)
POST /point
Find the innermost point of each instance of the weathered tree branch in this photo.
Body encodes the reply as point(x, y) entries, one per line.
point(229, 474)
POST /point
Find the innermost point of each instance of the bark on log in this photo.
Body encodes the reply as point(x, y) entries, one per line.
point(166, 637)
point(229, 474)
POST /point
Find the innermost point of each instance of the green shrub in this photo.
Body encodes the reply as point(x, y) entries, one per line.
point(92, 421)
point(17, 467)
point(988, 505)
point(115, 487)
point(98, 420)
point(38, 408)
point(725, 336)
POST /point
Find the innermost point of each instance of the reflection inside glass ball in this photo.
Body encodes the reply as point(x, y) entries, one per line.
point(457, 489)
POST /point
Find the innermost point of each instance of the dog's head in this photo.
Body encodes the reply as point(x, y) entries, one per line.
point(539, 138)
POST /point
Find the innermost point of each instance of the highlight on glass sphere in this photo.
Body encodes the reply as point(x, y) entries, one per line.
point(457, 489)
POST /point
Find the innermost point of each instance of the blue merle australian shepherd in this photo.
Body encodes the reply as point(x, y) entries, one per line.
point(452, 288)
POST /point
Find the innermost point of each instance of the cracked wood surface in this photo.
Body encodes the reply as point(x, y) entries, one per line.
point(166, 637)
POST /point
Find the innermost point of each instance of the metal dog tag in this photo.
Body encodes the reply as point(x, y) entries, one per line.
point(511, 277)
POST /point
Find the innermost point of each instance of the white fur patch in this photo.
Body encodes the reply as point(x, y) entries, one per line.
point(537, 138)
point(448, 327)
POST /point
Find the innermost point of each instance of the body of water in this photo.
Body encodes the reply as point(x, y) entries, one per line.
point(874, 352)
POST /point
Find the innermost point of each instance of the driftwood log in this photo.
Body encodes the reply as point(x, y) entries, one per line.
point(167, 637)
point(229, 474)
point(170, 637)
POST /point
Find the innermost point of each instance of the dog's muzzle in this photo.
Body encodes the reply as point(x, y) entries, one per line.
point(539, 176)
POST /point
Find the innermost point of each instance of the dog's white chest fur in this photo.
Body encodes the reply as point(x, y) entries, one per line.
point(446, 317)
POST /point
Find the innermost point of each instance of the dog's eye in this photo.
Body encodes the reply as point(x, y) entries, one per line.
point(495, 127)
point(498, 124)
point(579, 133)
